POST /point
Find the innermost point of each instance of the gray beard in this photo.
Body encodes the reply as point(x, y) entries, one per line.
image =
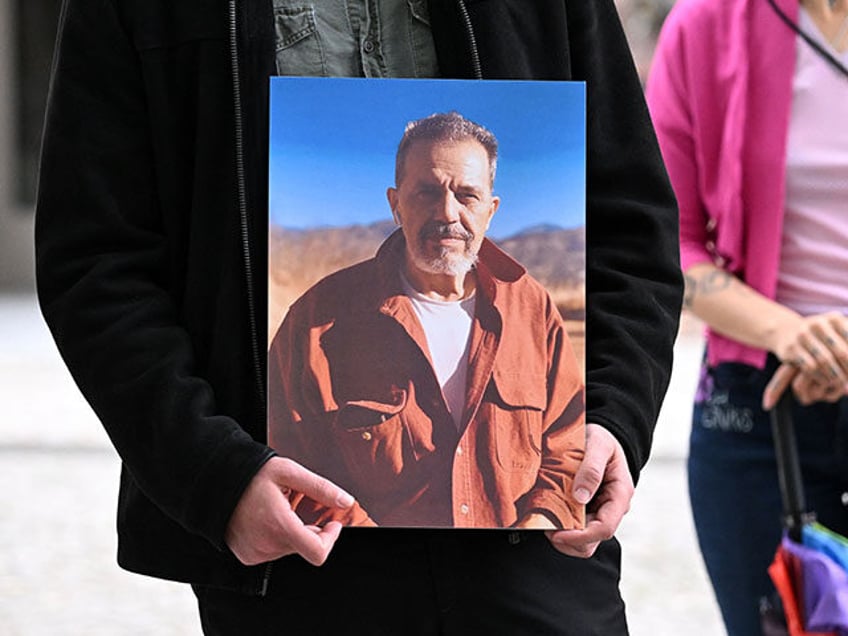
point(451, 265)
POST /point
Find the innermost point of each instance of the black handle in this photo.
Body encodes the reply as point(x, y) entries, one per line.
point(788, 467)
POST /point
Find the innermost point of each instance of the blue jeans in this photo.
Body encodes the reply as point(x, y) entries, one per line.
point(734, 489)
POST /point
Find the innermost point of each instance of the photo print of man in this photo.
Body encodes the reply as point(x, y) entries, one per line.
point(429, 373)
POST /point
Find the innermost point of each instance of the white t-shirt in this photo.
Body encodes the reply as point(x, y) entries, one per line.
point(447, 328)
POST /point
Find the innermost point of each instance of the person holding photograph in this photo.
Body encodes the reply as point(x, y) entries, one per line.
point(744, 96)
point(150, 248)
point(436, 381)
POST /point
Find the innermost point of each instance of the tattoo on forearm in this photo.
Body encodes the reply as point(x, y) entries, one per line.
point(712, 283)
point(715, 282)
point(690, 284)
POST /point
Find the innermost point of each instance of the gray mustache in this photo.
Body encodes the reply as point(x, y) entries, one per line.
point(440, 231)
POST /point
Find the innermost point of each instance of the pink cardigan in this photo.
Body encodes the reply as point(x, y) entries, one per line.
point(720, 92)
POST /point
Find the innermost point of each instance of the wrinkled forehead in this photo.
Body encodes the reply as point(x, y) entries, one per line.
point(426, 157)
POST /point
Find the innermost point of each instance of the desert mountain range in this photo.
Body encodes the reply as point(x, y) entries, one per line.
point(300, 258)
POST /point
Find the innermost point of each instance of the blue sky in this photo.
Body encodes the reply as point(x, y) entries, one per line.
point(333, 144)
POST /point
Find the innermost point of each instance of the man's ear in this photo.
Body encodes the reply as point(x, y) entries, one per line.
point(392, 196)
point(496, 202)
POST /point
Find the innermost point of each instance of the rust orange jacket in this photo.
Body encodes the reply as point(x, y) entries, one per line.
point(353, 396)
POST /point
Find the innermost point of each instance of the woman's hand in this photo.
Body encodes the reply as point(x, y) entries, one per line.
point(817, 346)
point(813, 349)
point(805, 386)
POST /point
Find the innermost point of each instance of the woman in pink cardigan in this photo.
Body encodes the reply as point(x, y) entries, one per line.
point(749, 99)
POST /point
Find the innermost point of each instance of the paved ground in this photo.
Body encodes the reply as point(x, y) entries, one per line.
point(57, 542)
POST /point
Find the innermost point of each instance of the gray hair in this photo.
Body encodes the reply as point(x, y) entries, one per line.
point(446, 127)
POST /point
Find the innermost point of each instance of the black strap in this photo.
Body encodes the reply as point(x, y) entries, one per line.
point(818, 48)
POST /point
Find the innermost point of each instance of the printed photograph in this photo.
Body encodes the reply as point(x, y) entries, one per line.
point(426, 294)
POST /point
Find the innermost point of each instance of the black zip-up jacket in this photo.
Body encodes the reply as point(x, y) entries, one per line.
point(151, 240)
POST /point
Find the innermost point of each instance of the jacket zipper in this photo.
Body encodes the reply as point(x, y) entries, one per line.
point(472, 41)
point(245, 230)
point(266, 579)
point(242, 204)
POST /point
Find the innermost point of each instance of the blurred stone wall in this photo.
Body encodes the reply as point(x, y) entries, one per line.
point(16, 226)
point(642, 20)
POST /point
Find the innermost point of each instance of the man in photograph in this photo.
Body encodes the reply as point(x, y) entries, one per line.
point(435, 381)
